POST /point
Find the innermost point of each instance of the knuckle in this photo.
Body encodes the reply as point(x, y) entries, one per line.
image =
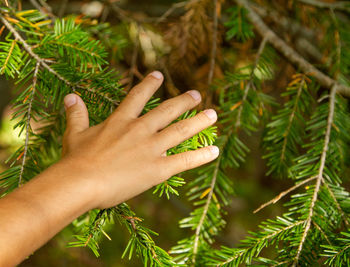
point(181, 128)
point(135, 92)
point(187, 160)
point(139, 125)
point(167, 107)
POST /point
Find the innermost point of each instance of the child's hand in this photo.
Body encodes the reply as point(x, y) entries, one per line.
point(102, 166)
point(125, 155)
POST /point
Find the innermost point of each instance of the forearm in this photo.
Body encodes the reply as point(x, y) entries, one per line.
point(34, 213)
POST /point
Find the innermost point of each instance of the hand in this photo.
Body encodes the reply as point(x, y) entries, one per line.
point(125, 155)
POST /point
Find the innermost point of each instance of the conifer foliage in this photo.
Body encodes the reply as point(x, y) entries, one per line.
point(305, 129)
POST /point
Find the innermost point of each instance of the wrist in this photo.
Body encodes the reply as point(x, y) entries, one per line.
point(79, 182)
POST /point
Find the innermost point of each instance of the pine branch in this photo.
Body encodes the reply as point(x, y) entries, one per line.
point(282, 194)
point(290, 53)
point(320, 172)
point(29, 115)
point(45, 65)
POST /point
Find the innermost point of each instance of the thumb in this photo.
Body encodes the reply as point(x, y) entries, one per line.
point(76, 113)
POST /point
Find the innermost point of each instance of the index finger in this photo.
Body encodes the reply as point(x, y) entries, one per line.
point(137, 98)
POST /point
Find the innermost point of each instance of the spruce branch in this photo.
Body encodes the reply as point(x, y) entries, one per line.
point(284, 193)
point(338, 255)
point(44, 64)
point(13, 43)
point(253, 245)
point(234, 127)
point(29, 116)
point(322, 232)
point(289, 52)
point(320, 172)
point(336, 202)
point(286, 129)
point(291, 118)
point(250, 81)
point(205, 211)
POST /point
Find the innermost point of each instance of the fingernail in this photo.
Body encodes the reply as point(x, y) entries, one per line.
point(157, 74)
point(214, 150)
point(70, 100)
point(195, 94)
point(211, 114)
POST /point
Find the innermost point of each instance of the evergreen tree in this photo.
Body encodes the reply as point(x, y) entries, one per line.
point(305, 130)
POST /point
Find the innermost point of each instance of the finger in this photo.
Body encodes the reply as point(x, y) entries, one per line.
point(171, 109)
point(137, 98)
point(183, 130)
point(77, 115)
point(188, 160)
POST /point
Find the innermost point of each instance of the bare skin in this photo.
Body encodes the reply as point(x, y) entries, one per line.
point(102, 166)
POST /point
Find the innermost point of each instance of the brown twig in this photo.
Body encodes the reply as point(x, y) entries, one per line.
point(213, 52)
point(170, 11)
point(62, 8)
point(281, 195)
point(29, 116)
point(289, 52)
point(43, 8)
point(304, 36)
point(121, 13)
point(341, 5)
point(290, 25)
point(133, 65)
point(172, 89)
